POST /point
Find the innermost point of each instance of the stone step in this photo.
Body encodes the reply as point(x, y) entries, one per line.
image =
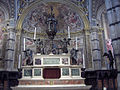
point(51, 87)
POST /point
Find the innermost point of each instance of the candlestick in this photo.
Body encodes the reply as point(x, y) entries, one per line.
point(19, 62)
point(76, 44)
point(24, 44)
point(68, 32)
point(83, 61)
point(35, 33)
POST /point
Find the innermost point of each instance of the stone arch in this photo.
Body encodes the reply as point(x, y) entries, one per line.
point(78, 9)
point(100, 11)
point(5, 10)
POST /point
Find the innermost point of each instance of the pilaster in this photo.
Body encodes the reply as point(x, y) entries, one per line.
point(88, 59)
point(10, 46)
point(10, 50)
point(96, 52)
point(3, 51)
point(17, 49)
point(113, 12)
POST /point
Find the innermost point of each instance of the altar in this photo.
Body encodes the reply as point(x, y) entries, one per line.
point(51, 70)
point(54, 60)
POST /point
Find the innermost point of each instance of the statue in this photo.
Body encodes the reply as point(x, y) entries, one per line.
point(73, 56)
point(28, 60)
point(110, 57)
point(39, 46)
point(64, 45)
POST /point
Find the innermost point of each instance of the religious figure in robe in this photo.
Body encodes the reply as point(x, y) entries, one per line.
point(73, 56)
point(39, 46)
point(28, 60)
point(65, 43)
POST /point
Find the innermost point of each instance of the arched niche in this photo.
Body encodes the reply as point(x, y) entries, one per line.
point(66, 4)
point(56, 4)
point(104, 36)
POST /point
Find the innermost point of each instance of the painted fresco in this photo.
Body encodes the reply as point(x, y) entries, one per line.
point(63, 13)
point(2, 18)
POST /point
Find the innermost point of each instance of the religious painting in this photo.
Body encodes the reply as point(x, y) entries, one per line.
point(55, 48)
point(65, 16)
point(2, 16)
point(29, 43)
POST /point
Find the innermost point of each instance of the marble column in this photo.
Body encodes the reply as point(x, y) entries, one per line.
point(116, 40)
point(96, 53)
point(10, 51)
point(113, 12)
point(87, 50)
point(18, 51)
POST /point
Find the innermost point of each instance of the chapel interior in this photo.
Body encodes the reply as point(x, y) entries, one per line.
point(59, 45)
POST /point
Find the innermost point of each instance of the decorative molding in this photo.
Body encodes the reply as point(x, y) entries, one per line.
point(5, 10)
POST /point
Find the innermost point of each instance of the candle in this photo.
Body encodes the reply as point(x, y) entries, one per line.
point(35, 33)
point(24, 44)
point(68, 32)
point(83, 61)
point(19, 62)
point(76, 44)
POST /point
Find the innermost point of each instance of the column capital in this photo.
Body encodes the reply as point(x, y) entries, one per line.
point(87, 32)
point(95, 29)
point(11, 23)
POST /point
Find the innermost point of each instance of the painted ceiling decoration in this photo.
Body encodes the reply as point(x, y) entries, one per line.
point(65, 15)
point(2, 16)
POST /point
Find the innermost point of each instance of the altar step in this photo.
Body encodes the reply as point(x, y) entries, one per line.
point(54, 87)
